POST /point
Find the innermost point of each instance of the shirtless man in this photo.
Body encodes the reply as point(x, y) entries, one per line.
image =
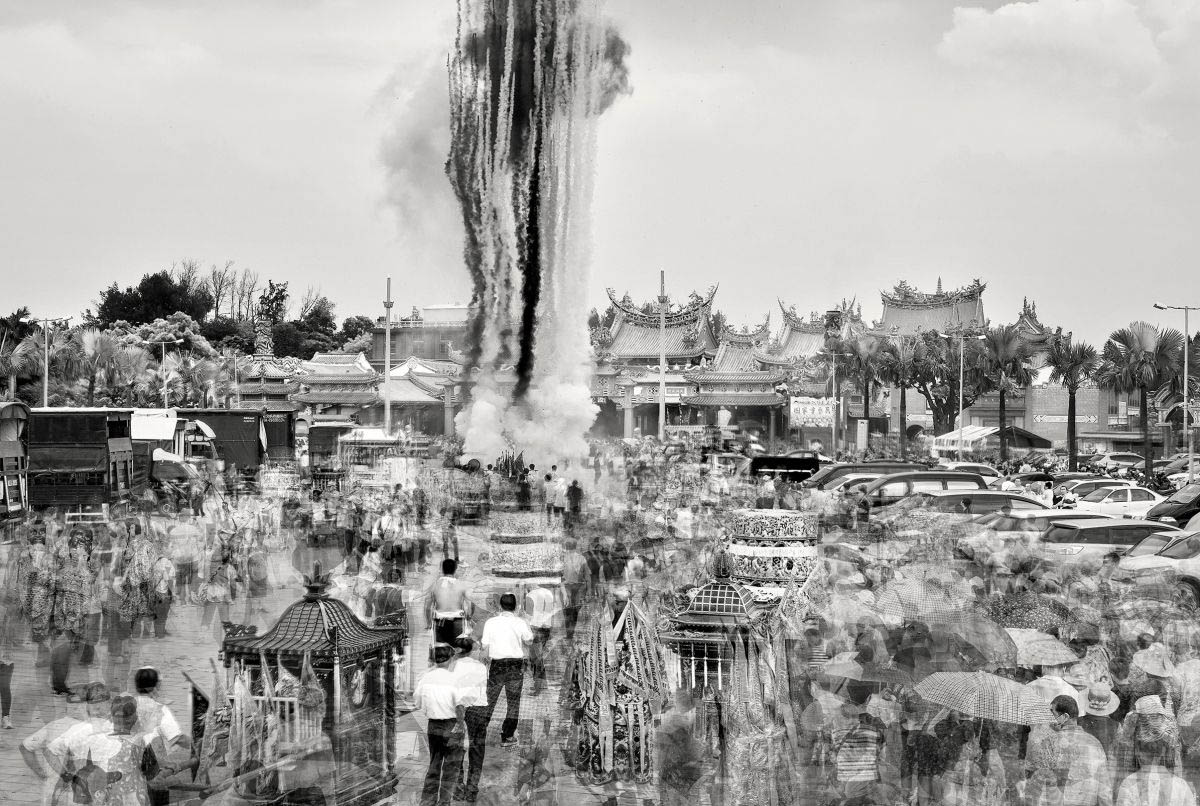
point(447, 605)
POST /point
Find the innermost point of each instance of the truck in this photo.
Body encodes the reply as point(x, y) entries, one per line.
point(81, 458)
point(239, 436)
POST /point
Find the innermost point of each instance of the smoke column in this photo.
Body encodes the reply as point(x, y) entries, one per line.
point(528, 80)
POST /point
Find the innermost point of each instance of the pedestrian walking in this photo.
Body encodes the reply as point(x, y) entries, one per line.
point(506, 638)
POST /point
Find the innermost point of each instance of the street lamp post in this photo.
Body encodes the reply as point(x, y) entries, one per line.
point(45, 323)
point(1187, 343)
point(662, 357)
point(163, 364)
point(962, 351)
point(387, 361)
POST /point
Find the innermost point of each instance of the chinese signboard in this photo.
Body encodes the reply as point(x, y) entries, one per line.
point(812, 412)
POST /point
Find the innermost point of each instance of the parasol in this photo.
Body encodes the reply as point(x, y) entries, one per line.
point(985, 696)
point(1036, 648)
point(922, 600)
point(1032, 611)
point(991, 641)
point(845, 665)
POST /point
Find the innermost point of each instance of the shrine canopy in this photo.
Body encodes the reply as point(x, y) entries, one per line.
point(317, 624)
point(976, 438)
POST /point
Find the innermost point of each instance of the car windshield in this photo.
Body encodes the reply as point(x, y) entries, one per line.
point(1097, 495)
point(1186, 494)
point(1151, 545)
point(1185, 549)
point(1061, 534)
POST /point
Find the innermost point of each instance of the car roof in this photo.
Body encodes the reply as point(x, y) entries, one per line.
point(1096, 523)
point(1065, 514)
point(988, 491)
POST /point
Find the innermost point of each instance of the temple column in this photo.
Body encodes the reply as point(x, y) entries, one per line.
point(771, 429)
point(448, 410)
point(628, 412)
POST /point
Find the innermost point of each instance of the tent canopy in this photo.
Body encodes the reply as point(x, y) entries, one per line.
point(154, 425)
point(977, 437)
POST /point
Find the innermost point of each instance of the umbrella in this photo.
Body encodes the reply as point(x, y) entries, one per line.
point(845, 665)
point(1029, 610)
point(1036, 648)
point(1047, 688)
point(991, 641)
point(844, 609)
point(985, 696)
point(922, 600)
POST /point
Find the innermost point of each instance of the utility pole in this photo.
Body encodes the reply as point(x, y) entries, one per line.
point(45, 323)
point(387, 360)
point(662, 356)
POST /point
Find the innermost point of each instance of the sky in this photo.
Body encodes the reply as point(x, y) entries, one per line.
point(811, 151)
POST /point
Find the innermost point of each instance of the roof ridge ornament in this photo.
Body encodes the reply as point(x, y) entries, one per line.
point(316, 584)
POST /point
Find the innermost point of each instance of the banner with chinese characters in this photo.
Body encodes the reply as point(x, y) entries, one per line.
point(812, 412)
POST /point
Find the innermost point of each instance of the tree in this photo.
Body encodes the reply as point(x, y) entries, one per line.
point(15, 361)
point(716, 321)
point(1072, 364)
point(98, 351)
point(1009, 365)
point(156, 296)
point(176, 326)
point(935, 375)
point(899, 371)
point(1140, 358)
point(355, 326)
point(221, 284)
point(223, 332)
point(865, 363)
point(273, 302)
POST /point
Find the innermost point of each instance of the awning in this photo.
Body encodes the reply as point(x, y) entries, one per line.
point(154, 425)
point(976, 436)
point(734, 399)
point(204, 429)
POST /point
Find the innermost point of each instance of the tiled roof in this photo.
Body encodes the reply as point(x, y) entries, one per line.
point(637, 341)
point(718, 603)
point(749, 376)
point(908, 311)
point(734, 399)
point(406, 390)
point(338, 365)
point(734, 357)
point(259, 387)
point(313, 626)
point(336, 397)
point(268, 366)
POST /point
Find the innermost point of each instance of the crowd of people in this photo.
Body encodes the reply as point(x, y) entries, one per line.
point(927, 662)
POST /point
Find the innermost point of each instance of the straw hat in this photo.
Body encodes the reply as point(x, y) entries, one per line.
point(1101, 701)
point(1150, 705)
point(1077, 676)
point(1153, 661)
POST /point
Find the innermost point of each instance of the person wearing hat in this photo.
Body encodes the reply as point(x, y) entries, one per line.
point(1076, 758)
point(1097, 719)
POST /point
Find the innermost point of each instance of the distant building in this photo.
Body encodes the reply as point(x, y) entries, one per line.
point(338, 387)
point(432, 332)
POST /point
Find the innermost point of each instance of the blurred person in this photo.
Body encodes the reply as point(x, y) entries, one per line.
point(442, 699)
point(85, 714)
point(1075, 758)
point(540, 608)
point(471, 676)
point(1153, 784)
point(506, 638)
point(448, 605)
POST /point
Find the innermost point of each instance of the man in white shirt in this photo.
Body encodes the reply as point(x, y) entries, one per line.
point(439, 695)
point(163, 593)
point(471, 674)
point(540, 608)
point(505, 638)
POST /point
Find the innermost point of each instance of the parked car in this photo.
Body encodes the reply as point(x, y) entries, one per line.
point(887, 490)
point(977, 502)
point(1069, 492)
point(1024, 479)
point(850, 481)
point(831, 473)
point(1181, 558)
point(1069, 542)
point(987, 471)
point(1179, 508)
point(1030, 521)
point(1116, 460)
point(1119, 502)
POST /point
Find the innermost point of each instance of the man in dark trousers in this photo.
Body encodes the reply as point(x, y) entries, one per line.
point(440, 697)
point(506, 638)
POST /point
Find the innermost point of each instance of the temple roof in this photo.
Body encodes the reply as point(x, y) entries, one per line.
point(721, 602)
point(635, 334)
point(908, 312)
point(269, 366)
point(406, 389)
point(320, 625)
point(734, 399)
point(339, 367)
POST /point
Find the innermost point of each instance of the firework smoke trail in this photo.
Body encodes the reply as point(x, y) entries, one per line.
point(529, 78)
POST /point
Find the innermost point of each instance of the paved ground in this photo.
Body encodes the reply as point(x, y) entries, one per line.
point(189, 649)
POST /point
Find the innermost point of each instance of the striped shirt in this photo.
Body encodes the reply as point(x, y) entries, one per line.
point(857, 741)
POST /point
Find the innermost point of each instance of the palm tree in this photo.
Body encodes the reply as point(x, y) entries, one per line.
point(1072, 364)
point(899, 369)
point(66, 362)
point(16, 361)
point(98, 350)
point(1139, 358)
point(866, 359)
point(128, 373)
point(1009, 365)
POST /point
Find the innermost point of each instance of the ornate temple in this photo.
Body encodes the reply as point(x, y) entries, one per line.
point(268, 382)
point(909, 312)
point(338, 386)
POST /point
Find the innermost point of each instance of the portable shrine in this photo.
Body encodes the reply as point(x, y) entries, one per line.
point(322, 671)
